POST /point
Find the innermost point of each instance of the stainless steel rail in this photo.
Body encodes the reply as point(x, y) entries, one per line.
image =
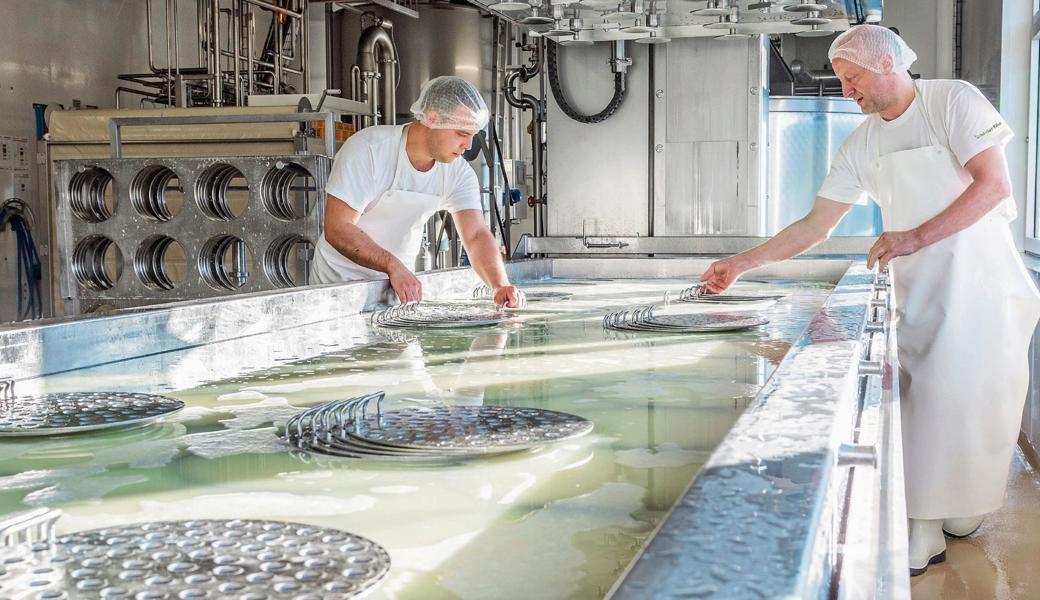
point(803, 499)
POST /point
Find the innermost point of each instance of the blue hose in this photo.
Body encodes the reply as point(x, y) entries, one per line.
point(30, 271)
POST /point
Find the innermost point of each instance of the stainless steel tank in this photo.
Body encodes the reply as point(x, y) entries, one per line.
point(446, 39)
point(805, 133)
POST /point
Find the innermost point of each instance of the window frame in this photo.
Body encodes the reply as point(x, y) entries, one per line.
point(1032, 232)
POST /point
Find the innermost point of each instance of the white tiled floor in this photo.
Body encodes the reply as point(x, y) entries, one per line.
point(1002, 559)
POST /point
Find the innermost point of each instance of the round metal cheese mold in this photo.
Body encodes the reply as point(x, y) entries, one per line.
point(805, 7)
point(811, 21)
point(509, 6)
point(469, 429)
point(547, 296)
point(730, 298)
point(240, 559)
point(696, 323)
point(436, 315)
point(73, 412)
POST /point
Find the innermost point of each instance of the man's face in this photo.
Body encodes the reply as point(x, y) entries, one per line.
point(448, 144)
point(873, 92)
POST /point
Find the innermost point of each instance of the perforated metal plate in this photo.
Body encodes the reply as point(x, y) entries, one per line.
point(244, 560)
point(470, 428)
point(732, 298)
point(700, 323)
point(55, 414)
point(439, 316)
point(547, 296)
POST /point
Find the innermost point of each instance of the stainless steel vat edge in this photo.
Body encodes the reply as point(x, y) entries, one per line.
point(763, 518)
point(677, 245)
point(766, 513)
point(70, 343)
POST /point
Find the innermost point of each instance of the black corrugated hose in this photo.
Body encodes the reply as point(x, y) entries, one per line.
point(561, 100)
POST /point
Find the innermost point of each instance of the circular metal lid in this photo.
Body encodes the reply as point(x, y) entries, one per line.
point(653, 39)
point(723, 25)
point(470, 428)
point(509, 6)
point(618, 15)
point(805, 7)
point(574, 42)
point(730, 298)
point(197, 559)
point(558, 33)
point(537, 20)
point(548, 296)
point(811, 21)
point(439, 315)
point(733, 35)
point(696, 323)
point(599, 4)
point(638, 29)
point(72, 412)
point(815, 33)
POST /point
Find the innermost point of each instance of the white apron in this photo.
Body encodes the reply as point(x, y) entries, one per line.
point(965, 312)
point(394, 222)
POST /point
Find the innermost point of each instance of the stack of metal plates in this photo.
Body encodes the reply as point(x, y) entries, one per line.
point(696, 293)
point(437, 314)
point(196, 559)
point(73, 412)
point(345, 428)
point(484, 292)
point(644, 319)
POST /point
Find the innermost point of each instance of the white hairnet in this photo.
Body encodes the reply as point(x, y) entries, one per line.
point(868, 45)
point(450, 103)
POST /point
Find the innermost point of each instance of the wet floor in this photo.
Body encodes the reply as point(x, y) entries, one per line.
point(1001, 561)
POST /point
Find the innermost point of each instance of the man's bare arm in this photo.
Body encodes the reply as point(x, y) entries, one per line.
point(342, 232)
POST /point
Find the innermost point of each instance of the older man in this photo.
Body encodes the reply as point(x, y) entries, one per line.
point(932, 155)
point(387, 181)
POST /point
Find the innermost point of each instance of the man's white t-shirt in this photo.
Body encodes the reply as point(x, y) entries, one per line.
point(364, 168)
point(961, 117)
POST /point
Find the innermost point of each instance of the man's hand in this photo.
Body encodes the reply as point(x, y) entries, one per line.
point(721, 274)
point(509, 296)
point(892, 244)
point(405, 284)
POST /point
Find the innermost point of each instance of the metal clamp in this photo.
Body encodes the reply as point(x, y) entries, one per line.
point(874, 326)
point(871, 367)
point(857, 455)
point(585, 241)
point(878, 303)
point(6, 389)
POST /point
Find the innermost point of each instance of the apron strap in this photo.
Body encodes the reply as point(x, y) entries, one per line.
point(402, 157)
point(921, 106)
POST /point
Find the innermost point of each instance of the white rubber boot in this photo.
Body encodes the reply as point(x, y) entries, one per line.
point(963, 527)
point(927, 544)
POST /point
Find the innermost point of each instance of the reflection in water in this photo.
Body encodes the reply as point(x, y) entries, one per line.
point(562, 520)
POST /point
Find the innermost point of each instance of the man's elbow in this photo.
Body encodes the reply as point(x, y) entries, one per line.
point(1001, 188)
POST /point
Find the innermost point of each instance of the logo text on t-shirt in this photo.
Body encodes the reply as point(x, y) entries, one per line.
point(992, 127)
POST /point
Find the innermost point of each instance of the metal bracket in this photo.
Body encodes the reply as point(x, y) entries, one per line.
point(585, 241)
point(870, 367)
point(855, 455)
point(874, 326)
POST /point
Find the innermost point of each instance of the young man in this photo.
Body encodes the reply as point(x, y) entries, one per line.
point(387, 181)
